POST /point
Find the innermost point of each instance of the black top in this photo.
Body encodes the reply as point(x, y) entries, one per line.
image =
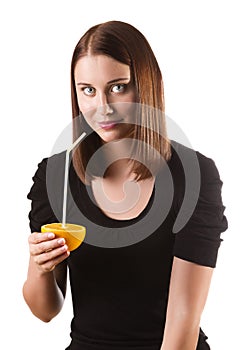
point(120, 274)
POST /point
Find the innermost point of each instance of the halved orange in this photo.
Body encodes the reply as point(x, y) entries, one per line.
point(73, 234)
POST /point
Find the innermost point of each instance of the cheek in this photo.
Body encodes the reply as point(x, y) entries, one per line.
point(85, 105)
point(134, 96)
point(89, 117)
point(130, 97)
point(85, 108)
point(126, 109)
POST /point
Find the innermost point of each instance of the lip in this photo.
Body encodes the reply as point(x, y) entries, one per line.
point(106, 125)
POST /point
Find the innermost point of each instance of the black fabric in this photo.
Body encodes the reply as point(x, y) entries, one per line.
point(120, 295)
point(202, 344)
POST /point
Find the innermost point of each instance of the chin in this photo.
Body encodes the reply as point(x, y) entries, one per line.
point(114, 134)
point(110, 135)
point(109, 138)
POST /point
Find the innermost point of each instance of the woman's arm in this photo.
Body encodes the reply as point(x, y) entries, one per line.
point(45, 287)
point(189, 288)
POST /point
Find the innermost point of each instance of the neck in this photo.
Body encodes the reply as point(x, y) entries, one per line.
point(118, 155)
point(119, 170)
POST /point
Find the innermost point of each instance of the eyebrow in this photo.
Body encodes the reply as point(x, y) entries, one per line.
point(109, 82)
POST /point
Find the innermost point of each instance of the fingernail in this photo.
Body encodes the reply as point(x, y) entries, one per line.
point(64, 248)
point(50, 235)
point(61, 241)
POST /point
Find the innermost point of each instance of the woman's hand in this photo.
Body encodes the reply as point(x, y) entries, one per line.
point(47, 251)
point(44, 289)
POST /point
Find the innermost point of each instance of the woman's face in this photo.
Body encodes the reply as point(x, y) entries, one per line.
point(105, 95)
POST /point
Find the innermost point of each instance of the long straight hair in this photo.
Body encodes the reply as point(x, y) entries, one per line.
point(124, 43)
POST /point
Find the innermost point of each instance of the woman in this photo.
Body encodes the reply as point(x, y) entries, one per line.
point(136, 284)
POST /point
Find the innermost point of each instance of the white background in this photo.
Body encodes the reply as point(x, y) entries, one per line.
point(201, 47)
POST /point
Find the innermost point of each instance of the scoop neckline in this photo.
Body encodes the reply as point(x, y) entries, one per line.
point(96, 212)
point(108, 218)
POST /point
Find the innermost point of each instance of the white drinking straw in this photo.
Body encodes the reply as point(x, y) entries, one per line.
point(69, 149)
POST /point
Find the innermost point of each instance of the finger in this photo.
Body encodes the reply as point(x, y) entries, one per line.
point(43, 247)
point(38, 237)
point(50, 255)
point(51, 264)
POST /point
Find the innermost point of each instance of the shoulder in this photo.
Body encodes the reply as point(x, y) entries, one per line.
point(53, 160)
point(48, 166)
point(191, 160)
point(43, 203)
point(56, 159)
point(196, 181)
point(198, 206)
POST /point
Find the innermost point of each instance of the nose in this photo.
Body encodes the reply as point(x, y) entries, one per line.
point(104, 106)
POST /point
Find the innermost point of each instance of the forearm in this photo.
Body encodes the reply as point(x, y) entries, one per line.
point(181, 335)
point(42, 293)
point(189, 287)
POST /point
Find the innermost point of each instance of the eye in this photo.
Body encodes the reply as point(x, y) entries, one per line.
point(118, 88)
point(88, 91)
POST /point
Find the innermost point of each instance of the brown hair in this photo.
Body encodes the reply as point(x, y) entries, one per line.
point(126, 44)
